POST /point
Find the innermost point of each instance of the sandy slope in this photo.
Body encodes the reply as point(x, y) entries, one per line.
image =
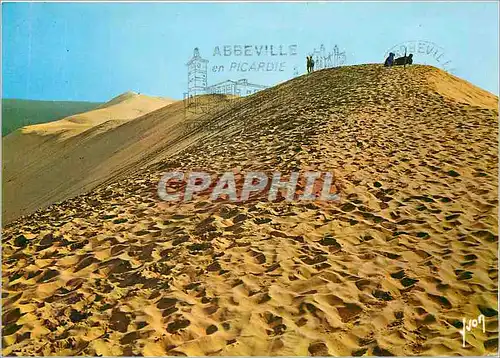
point(392, 269)
point(50, 162)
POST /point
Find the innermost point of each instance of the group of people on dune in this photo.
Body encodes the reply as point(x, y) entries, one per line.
point(310, 64)
point(389, 61)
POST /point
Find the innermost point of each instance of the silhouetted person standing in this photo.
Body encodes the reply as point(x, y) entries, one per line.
point(389, 61)
point(312, 64)
point(308, 64)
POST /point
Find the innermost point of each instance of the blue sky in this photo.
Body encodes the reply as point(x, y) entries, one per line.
point(95, 51)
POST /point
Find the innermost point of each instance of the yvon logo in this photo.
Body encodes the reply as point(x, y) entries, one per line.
point(471, 323)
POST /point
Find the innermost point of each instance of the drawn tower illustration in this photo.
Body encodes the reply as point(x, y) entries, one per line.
point(197, 82)
point(197, 74)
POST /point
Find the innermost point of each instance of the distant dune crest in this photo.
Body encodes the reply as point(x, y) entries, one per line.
point(52, 161)
point(124, 107)
point(18, 113)
point(118, 99)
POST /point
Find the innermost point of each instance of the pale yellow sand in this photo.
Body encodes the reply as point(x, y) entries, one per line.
point(122, 108)
point(393, 268)
point(50, 162)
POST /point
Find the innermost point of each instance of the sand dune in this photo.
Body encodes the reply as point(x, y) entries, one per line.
point(392, 269)
point(18, 113)
point(50, 162)
point(124, 107)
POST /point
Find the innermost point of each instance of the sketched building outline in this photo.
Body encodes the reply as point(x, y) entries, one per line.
point(323, 60)
point(198, 85)
point(197, 74)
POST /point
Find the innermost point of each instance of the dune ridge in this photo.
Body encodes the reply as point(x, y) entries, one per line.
point(392, 269)
point(124, 107)
point(18, 113)
point(50, 162)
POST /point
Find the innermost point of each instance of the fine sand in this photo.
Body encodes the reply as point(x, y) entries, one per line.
point(50, 162)
point(392, 269)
